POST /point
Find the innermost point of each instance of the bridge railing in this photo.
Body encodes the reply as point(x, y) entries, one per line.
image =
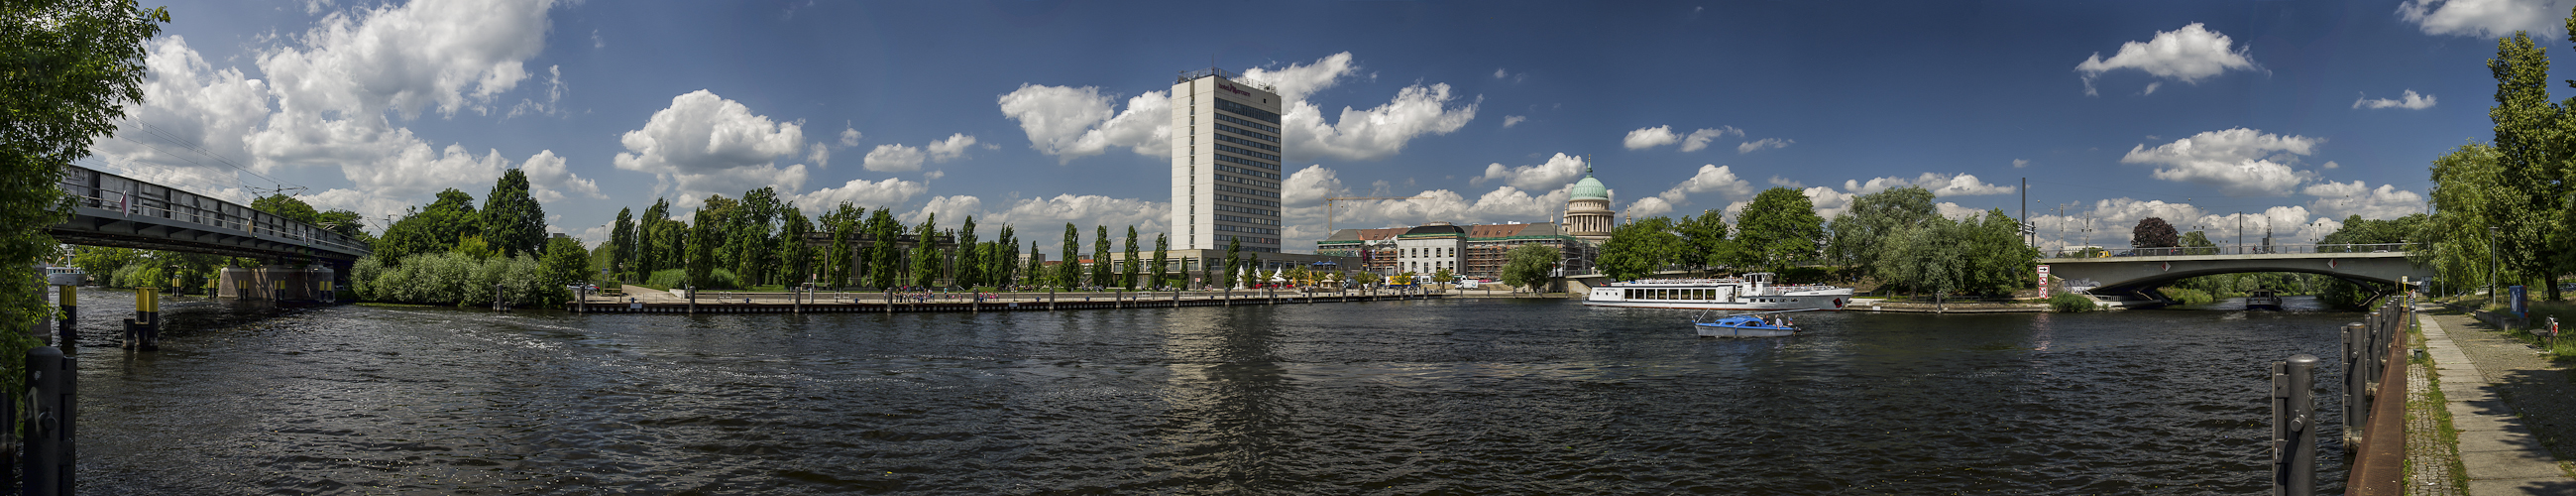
point(2124, 251)
point(133, 198)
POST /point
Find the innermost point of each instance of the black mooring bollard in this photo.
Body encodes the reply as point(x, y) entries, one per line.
point(2294, 433)
point(70, 325)
point(49, 449)
point(2356, 384)
point(147, 320)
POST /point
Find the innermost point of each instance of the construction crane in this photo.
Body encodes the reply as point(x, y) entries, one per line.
point(1328, 206)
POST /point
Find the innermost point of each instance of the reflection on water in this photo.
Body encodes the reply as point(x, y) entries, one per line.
point(1470, 396)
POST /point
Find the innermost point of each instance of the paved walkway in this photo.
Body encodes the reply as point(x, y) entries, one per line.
point(2509, 404)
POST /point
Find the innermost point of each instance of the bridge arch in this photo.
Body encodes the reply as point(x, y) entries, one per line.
point(2138, 275)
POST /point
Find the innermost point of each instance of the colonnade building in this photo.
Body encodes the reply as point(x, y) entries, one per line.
point(1479, 251)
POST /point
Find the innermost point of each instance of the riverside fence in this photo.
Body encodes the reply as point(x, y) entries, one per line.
point(2374, 403)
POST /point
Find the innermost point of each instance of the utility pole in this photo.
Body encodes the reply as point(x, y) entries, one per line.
point(2027, 234)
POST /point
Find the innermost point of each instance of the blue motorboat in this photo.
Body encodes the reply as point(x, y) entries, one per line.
point(1749, 325)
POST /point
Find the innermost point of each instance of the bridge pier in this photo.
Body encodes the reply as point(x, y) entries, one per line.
point(277, 283)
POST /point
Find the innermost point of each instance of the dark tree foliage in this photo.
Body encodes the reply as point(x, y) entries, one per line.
point(1872, 219)
point(512, 220)
point(654, 250)
point(435, 228)
point(970, 263)
point(2153, 232)
point(795, 257)
point(1100, 273)
point(1162, 255)
point(1128, 278)
point(1778, 230)
point(1638, 248)
point(1069, 272)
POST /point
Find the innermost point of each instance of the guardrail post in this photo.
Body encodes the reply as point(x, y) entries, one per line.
point(2294, 435)
point(51, 380)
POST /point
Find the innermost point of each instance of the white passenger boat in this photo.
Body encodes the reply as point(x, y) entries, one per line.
point(1754, 291)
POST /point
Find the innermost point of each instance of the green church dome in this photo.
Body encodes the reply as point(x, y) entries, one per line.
point(1589, 188)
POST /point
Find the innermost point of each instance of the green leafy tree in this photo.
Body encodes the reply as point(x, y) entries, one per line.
point(1162, 256)
point(1006, 257)
point(970, 265)
point(566, 262)
point(72, 67)
point(511, 220)
point(883, 232)
point(754, 249)
point(432, 229)
point(1444, 276)
point(1778, 230)
point(925, 252)
point(1069, 273)
point(2153, 232)
point(1527, 266)
point(286, 206)
point(1100, 266)
point(1872, 219)
point(704, 234)
point(2197, 243)
point(796, 258)
point(1638, 248)
point(1702, 238)
point(1129, 281)
point(2529, 194)
point(652, 250)
point(621, 244)
point(1233, 262)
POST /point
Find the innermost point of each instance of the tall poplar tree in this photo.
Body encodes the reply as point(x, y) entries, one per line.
point(1129, 279)
point(925, 252)
point(652, 251)
point(621, 244)
point(1100, 266)
point(1162, 254)
point(1069, 272)
point(970, 261)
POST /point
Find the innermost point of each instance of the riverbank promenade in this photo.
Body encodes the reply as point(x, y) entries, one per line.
point(2503, 408)
point(638, 299)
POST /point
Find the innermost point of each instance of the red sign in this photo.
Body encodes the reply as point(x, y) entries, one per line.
point(1229, 87)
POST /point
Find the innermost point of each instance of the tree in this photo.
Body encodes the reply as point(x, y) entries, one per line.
point(1069, 272)
point(432, 229)
point(2529, 192)
point(566, 262)
point(1100, 266)
point(754, 247)
point(1638, 248)
point(71, 69)
point(701, 262)
point(1443, 276)
point(1006, 258)
point(1702, 237)
point(653, 250)
point(1162, 254)
point(796, 258)
point(1233, 262)
point(1527, 266)
point(970, 266)
point(883, 231)
point(1778, 230)
point(512, 221)
point(1872, 219)
point(2196, 243)
point(925, 252)
point(280, 205)
point(1129, 281)
point(621, 244)
point(2153, 232)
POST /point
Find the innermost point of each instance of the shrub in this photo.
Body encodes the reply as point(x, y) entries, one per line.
point(2188, 296)
point(2071, 302)
point(670, 279)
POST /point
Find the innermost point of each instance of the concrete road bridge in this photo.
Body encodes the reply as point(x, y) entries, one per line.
point(2137, 272)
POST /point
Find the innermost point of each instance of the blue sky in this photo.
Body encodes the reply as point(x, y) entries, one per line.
point(1037, 113)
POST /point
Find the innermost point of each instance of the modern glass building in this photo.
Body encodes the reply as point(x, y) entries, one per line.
point(1225, 163)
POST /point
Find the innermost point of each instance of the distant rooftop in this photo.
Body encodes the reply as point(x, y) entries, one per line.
point(1187, 76)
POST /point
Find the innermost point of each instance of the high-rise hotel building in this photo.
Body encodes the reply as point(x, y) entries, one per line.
point(1225, 163)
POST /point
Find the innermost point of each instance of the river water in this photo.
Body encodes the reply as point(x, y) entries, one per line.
point(1471, 396)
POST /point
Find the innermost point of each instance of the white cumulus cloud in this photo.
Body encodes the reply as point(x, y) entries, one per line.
point(861, 192)
point(1756, 145)
point(1940, 185)
point(1699, 139)
point(2410, 101)
point(2189, 55)
point(1557, 172)
point(705, 144)
point(2487, 18)
point(1071, 123)
point(1710, 178)
point(2337, 200)
point(2239, 161)
point(1650, 137)
point(1510, 120)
